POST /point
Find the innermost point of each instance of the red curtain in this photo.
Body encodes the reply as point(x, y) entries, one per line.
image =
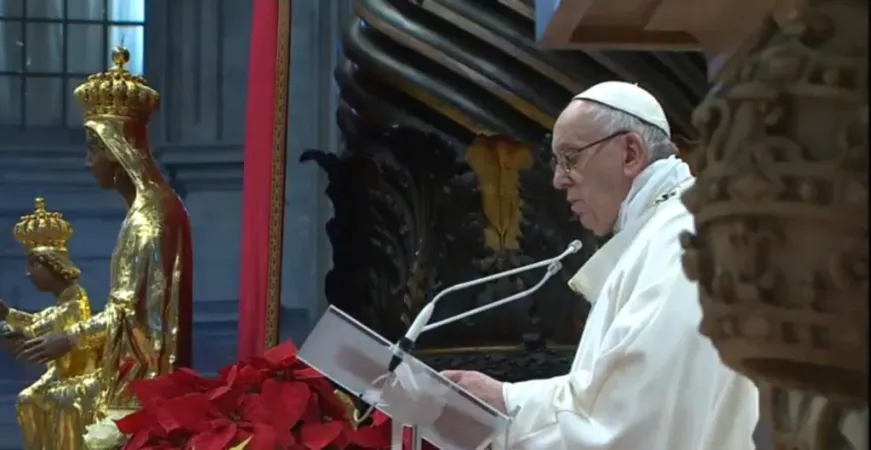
point(263, 194)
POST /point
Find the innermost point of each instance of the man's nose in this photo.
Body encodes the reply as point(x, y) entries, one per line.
point(560, 179)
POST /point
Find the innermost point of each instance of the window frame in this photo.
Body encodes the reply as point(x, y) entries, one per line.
point(62, 132)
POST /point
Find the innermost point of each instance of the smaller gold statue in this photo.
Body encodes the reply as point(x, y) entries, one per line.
point(54, 411)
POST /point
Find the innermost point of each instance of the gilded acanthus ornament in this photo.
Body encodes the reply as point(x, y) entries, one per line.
point(780, 249)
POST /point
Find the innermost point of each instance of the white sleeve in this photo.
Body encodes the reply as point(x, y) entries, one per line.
point(648, 355)
point(592, 410)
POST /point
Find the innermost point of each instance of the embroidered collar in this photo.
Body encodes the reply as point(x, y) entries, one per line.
point(659, 179)
point(590, 278)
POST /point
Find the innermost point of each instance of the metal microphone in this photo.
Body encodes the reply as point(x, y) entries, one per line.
point(552, 270)
point(419, 325)
point(421, 322)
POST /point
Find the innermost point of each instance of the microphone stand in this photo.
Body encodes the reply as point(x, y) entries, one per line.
point(406, 343)
point(421, 322)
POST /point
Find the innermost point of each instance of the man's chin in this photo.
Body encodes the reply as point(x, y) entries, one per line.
point(586, 223)
point(592, 228)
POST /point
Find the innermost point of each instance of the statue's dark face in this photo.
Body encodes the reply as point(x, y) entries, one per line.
point(44, 279)
point(99, 161)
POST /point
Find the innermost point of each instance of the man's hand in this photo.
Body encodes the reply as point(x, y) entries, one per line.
point(46, 348)
point(4, 310)
point(479, 385)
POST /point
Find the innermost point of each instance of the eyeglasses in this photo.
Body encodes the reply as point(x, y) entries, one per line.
point(566, 160)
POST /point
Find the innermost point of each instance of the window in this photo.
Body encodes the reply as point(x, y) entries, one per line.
point(48, 47)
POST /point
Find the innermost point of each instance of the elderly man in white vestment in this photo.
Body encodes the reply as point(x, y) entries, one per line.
point(643, 377)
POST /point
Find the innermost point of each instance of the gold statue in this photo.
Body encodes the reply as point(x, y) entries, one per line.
point(147, 319)
point(53, 410)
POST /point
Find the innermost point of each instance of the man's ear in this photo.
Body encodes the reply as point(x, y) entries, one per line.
point(634, 154)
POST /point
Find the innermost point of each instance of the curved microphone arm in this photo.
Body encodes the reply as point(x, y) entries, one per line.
point(405, 344)
point(426, 312)
point(574, 247)
point(552, 270)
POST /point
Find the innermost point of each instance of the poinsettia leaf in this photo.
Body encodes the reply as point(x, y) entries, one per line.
point(287, 400)
point(253, 408)
point(218, 392)
point(243, 433)
point(264, 437)
point(313, 413)
point(317, 436)
point(228, 374)
point(151, 391)
point(214, 439)
point(330, 403)
point(249, 376)
point(343, 439)
point(220, 422)
point(256, 362)
point(226, 399)
point(136, 422)
point(161, 446)
point(282, 355)
point(190, 378)
point(137, 440)
point(190, 413)
point(307, 373)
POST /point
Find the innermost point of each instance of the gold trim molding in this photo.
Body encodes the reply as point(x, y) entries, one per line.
point(279, 155)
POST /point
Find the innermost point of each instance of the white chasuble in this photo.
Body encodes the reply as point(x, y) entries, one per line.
point(643, 377)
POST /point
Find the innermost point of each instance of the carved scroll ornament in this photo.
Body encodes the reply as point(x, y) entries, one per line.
point(781, 206)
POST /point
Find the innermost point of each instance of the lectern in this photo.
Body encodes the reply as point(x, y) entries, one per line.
point(414, 396)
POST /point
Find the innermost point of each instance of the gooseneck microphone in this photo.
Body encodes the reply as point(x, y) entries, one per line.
point(419, 325)
point(421, 321)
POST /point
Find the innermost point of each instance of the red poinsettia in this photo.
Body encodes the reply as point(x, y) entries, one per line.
point(270, 402)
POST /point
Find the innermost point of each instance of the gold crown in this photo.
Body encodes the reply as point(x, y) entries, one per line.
point(117, 92)
point(43, 230)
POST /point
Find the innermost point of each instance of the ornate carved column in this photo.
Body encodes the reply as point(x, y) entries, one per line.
point(799, 420)
point(781, 206)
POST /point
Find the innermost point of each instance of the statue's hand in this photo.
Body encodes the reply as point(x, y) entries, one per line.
point(10, 341)
point(45, 348)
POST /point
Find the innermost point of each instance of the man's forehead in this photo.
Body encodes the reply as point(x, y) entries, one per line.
point(573, 124)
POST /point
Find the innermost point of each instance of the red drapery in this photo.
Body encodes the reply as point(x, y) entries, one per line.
point(263, 195)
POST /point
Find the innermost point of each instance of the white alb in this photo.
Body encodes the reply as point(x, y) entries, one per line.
point(643, 377)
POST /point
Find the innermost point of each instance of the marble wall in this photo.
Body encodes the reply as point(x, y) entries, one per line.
point(315, 48)
point(197, 57)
